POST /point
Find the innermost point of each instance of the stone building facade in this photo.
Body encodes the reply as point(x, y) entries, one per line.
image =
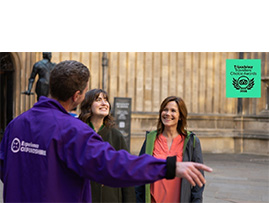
point(228, 125)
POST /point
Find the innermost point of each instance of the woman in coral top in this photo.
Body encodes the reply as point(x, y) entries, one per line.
point(171, 139)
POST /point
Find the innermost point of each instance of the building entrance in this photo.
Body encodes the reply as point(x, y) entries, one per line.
point(6, 90)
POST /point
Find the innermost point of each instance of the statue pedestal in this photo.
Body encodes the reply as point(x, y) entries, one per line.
point(265, 111)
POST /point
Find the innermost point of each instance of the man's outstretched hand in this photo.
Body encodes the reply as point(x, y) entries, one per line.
point(190, 171)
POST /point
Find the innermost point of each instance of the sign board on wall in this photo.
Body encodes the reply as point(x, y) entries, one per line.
point(122, 113)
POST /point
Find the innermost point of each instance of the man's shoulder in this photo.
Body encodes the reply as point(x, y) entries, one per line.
point(76, 122)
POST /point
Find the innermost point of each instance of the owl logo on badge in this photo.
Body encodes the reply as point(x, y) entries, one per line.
point(243, 83)
point(15, 145)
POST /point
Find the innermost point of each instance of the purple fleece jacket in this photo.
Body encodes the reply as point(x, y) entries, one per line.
point(49, 156)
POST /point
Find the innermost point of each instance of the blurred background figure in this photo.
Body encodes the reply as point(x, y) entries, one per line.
point(73, 112)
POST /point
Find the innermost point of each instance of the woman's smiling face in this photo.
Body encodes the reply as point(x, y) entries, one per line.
point(170, 114)
point(100, 107)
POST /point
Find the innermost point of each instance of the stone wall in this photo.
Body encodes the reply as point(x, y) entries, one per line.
point(217, 133)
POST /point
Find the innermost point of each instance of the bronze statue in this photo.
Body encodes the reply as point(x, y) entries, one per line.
point(43, 69)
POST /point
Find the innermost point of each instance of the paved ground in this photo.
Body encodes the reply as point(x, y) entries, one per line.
point(237, 178)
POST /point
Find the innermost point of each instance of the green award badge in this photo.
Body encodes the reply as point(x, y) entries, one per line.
point(243, 78)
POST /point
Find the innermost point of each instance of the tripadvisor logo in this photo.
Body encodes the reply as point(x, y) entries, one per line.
point(243, 78)
point(243, 83)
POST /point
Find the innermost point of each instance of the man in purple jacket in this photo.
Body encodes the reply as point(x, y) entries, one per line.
point(49, 156)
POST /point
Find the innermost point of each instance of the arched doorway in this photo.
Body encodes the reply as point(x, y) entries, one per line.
point(6, 90)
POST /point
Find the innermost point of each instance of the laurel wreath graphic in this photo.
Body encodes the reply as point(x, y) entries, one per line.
point(243, 83)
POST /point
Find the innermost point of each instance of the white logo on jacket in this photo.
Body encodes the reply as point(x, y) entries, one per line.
point(15, 145)
point(27, 147)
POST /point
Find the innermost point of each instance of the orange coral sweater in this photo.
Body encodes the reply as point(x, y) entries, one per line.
point(167, 190)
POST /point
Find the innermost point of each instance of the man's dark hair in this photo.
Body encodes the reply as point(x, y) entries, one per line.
point(66, 78)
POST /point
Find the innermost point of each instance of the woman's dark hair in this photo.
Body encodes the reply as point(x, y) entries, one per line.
point(85, 107)
point(182, 122)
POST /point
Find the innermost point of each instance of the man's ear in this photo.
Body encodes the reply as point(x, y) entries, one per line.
point(76, 96)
